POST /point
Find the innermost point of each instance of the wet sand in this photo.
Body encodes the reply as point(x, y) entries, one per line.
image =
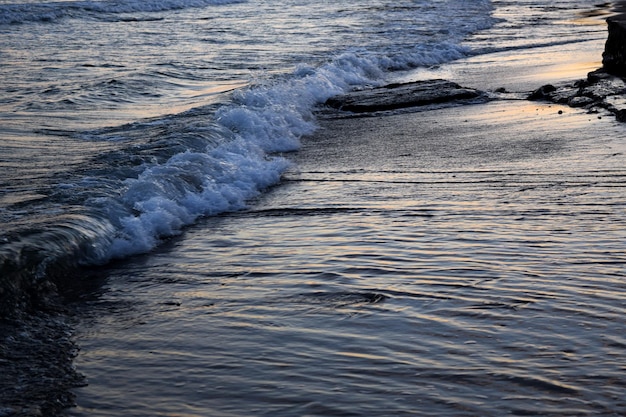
point(501, 122)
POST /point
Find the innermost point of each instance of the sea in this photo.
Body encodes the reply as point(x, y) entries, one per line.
point(232, 250)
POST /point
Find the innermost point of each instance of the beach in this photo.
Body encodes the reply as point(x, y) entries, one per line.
point(449, 260)
point(459, 257)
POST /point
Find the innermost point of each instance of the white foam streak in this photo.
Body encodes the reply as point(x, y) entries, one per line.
point(167, 197)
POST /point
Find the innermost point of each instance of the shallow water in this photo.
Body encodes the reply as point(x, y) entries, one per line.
point(428, 274)
point(124, 121)
point(460, 261)
point(100, 98)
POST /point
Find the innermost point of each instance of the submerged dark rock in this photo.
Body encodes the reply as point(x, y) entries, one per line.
point(542, 92)
point(344, 299)
point(36, 363)
point(400, 96)
point(36, 346)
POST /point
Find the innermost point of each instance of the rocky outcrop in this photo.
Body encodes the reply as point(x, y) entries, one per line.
point(614, 56)
point(400, 96)
point(600, 91)
point(604, 88)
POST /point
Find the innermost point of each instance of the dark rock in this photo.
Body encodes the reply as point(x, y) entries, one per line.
point(600, 90)
point(595, 76)
point(580, 101)
point(604, 88)
point(399, 96)
point(542, 92)
point(614, 56)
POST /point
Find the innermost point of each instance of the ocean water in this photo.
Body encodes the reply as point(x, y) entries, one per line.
point(164, 112)
point(158, 155)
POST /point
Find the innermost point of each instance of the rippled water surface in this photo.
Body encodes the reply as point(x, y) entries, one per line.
point(462, 261)
point(466, 274)
point(124, 120)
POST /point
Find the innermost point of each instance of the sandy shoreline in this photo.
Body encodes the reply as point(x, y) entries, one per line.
point(517, 75)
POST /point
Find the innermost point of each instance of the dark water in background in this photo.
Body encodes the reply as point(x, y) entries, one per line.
point(460, 273)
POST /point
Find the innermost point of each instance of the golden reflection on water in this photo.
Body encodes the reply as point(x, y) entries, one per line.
point(570, 71)
point(186, 99)
point(362, 355)
point(550, 64)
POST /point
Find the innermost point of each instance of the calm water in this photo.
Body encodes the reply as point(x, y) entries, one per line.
point(475, 267)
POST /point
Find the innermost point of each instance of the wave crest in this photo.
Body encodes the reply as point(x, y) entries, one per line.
point(54, 11)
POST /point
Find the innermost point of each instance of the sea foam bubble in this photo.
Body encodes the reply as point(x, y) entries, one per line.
point(258, 124)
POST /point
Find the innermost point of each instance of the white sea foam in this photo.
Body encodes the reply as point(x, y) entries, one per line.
point(169, 172)
point(260, 121)
point(167, 197)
